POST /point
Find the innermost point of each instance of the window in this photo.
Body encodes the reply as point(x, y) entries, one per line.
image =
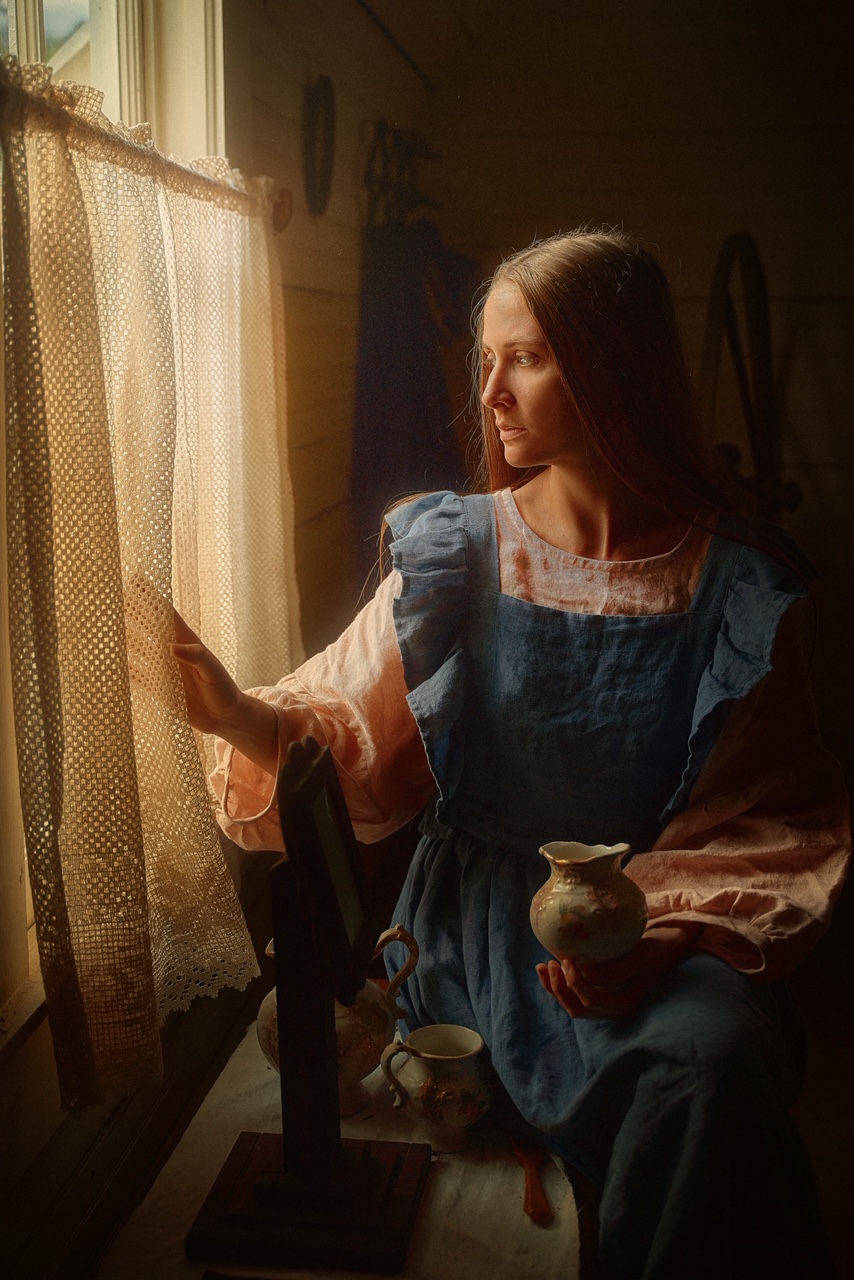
point(154, 60)
point(83, 41)
point(67, 39)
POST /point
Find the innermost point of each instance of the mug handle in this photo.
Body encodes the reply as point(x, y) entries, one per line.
point(398, 934)
point(389, 1052)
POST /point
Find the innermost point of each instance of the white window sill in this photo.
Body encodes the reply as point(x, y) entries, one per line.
point(25, 1009)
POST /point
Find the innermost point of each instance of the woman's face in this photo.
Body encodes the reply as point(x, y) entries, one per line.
point(522, 385)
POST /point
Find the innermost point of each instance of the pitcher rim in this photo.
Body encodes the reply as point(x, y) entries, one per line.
point(595, 852)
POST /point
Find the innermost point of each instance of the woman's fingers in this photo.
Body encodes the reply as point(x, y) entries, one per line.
point(543, 975)
point(194, 655)
point(614, 988)
point(554, 979)
point(579, 997)
point(184, 634)
point(212, 695)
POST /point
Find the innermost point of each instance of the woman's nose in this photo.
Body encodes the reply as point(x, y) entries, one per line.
point(494, 391)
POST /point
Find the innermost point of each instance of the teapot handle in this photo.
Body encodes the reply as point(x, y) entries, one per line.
point(389, 1052)
point(398, 934)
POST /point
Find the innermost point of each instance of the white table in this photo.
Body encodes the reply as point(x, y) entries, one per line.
point(471, 1223)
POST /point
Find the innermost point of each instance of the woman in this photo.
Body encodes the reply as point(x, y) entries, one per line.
point(590, 649)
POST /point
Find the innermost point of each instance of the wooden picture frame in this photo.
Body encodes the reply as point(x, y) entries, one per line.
point(307, 1197)
point(320, 842)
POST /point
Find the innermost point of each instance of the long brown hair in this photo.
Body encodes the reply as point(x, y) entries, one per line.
point(606, 311)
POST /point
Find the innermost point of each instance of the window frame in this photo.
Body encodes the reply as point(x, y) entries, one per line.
point(154, 60)
point(26, 30)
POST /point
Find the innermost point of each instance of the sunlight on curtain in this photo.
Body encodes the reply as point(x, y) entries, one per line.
point(145, 392)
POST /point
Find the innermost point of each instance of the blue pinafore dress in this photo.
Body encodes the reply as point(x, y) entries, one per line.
point(542, 725)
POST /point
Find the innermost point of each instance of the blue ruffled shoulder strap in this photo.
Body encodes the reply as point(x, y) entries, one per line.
point(760, 590)
point(431, 552)
point(778, 546)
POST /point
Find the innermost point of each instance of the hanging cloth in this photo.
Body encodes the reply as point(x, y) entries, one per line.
point(414, 290)
point(144, 389)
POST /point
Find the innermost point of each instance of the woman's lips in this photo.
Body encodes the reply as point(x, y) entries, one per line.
point(508, 432)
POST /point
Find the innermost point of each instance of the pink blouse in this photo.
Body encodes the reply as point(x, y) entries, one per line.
point(758, 857)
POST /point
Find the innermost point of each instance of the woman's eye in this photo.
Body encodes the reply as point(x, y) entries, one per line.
point(525, 357)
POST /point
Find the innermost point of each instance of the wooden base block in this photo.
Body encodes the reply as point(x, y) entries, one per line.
point(361, 1220)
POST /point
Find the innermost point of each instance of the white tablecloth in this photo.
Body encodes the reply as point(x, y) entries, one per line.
point(471, 1225)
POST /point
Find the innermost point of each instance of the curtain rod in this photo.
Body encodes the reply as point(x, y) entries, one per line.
point(51, 107)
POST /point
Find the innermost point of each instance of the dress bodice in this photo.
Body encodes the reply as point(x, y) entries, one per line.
point(545, 724)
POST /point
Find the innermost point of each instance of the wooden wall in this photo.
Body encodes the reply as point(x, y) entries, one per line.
point(274, 50)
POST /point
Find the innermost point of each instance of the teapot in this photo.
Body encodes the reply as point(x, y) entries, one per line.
point(362, 1030)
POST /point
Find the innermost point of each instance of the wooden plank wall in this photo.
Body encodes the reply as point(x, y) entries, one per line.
point(274, 50)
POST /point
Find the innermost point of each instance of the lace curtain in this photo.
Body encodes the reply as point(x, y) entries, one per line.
point(144, 394)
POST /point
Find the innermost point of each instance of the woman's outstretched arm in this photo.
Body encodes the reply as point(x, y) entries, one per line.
point(351, 698)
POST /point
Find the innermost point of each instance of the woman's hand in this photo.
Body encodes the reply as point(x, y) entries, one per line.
point(616, 988)
point(215, 704)
point(213, 698)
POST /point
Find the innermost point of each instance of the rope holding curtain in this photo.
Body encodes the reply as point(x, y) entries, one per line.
point(144, 419)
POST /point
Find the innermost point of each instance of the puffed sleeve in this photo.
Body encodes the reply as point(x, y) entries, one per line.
point(760, 854)
point(351, 698)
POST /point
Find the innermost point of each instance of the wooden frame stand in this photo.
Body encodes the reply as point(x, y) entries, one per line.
point(361, 1221)
point(305, 1197)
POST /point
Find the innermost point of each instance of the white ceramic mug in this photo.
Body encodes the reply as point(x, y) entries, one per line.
point(442, 1083)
